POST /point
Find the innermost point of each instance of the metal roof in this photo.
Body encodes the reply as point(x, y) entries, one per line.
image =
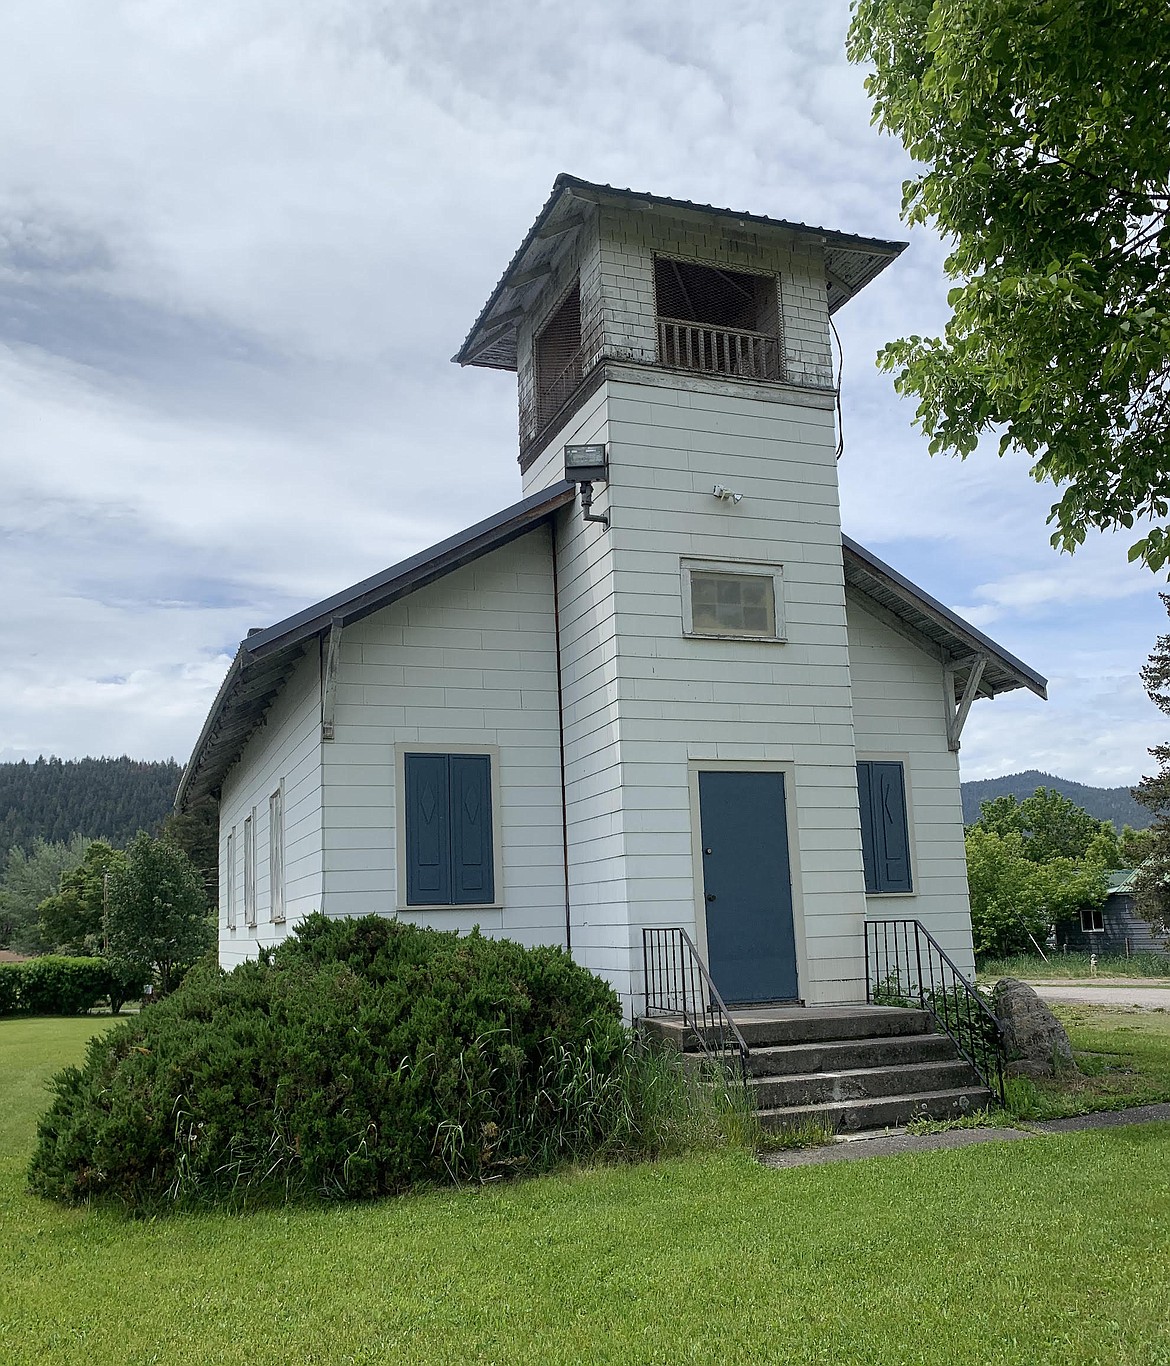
point(851, 262)
point(266, 659)
point(914, 610)
point(1120, 881)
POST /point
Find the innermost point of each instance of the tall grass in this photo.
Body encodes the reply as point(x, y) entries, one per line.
point(1146, 964)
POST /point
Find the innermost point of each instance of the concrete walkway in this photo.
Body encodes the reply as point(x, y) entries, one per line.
point(898, 1141)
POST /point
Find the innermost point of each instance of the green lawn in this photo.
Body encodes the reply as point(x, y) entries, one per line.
point(1050, 1250)
point(1123, 1055)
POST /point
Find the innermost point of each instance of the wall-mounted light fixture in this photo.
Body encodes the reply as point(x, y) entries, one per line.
point(584, 465)
point(726, 495)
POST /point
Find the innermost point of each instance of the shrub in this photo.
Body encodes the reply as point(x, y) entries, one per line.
point(53, 985)
point(10, 975)
point(125, 981)
point(359, 1058)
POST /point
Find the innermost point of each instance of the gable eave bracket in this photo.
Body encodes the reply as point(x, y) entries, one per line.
point(329, 678)
point(958, 707)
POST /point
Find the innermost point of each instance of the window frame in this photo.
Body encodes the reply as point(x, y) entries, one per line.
point(276, 907)
point(229, 859)
point(903, 763)
point(1094, 913)
point(492, 753)
point(760, 569)
point(769, 279)
point(250, 869)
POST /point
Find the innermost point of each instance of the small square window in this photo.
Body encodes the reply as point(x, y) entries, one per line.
point(1092, 921)
point(733, 601)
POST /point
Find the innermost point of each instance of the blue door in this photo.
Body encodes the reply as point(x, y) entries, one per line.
point(747, 886)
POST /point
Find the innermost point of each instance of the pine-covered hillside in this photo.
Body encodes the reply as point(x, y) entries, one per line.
point(1105, 803)
point(109, 799)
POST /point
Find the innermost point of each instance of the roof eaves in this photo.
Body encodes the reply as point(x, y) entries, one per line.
point(831, 239)
point(370, 594)
point(268, 655)
point(931, 607)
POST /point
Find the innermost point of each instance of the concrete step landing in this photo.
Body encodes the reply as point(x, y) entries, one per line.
point(859, 1067)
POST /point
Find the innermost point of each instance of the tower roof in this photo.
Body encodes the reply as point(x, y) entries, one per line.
point(851, 262)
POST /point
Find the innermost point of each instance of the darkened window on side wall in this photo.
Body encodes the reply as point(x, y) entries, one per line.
point(449, 851)
point(1092, 921)
point(558, 357)
point(885, 837)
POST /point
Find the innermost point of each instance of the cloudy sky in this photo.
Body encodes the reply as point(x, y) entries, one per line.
point(239, 240)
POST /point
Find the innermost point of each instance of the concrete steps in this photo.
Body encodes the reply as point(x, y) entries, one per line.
point(859, 1067)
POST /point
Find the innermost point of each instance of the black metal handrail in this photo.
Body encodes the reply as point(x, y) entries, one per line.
point(906, 966)
point(677, 982)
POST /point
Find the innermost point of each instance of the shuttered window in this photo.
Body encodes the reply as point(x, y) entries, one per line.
point(449, 848)
point(276, 855)
point(885, 837)
point(250, 868)
point(229, 889)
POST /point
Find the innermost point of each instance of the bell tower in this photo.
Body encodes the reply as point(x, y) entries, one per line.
point(702, 602)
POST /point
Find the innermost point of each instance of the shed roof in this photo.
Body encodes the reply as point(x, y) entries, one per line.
point(851, 262)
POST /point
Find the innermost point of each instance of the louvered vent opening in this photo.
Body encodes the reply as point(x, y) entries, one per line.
point(558, 357)
point(720, 321)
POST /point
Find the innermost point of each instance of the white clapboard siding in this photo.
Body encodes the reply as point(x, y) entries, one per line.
point(469, 660)
point(285, 748)
point(643, 703)
point(899, 713)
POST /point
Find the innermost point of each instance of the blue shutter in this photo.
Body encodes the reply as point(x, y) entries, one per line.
point(885, 844)
point(865, 801)
point(472, 875)
point(428, 842)
point(894, 857)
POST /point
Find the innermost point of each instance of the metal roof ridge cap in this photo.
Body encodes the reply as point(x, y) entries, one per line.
point(902, 581)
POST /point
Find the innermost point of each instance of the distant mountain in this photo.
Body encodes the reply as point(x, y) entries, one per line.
point(1106, 803)
point(110, 799)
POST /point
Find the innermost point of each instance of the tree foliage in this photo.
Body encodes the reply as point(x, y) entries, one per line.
point(158, 913)
point(1031, 863)
point(1051, 826)
point(196, 832)
point(1015, 899)
point(1114, 804)
point(1152, 885)
point(29, 878)
point(110, 799)
point(72, 922)
point(1041, 128)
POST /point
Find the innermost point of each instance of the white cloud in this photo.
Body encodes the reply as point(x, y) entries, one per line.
point(239, 239)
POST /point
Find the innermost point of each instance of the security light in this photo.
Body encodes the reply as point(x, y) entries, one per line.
point(586, 463)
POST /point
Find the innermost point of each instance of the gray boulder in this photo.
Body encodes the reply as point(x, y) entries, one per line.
point(1035, 1041)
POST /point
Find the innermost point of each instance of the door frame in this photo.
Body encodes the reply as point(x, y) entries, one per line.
point(787, 768)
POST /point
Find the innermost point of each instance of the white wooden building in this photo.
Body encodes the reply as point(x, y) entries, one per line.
point(700, 707)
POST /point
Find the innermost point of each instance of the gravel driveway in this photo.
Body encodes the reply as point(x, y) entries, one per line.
point(1124, 993)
